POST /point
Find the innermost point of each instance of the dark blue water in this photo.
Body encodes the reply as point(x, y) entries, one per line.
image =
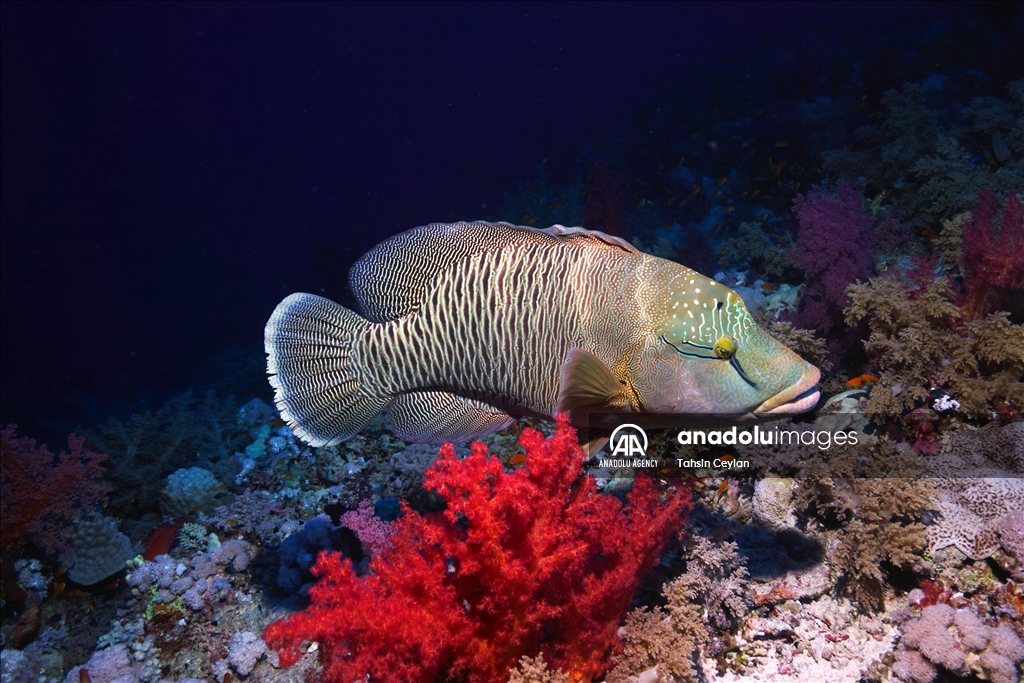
point(171, 171)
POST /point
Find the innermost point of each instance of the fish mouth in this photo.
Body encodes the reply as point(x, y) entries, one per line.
point(797, 398)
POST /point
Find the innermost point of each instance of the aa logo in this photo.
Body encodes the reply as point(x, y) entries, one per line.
point(629, 441)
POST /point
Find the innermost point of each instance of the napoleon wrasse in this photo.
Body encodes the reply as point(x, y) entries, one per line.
point(466, 326)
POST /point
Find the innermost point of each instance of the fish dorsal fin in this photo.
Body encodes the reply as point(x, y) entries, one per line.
point(391, 279)
point(586, 381)
point(590, 237)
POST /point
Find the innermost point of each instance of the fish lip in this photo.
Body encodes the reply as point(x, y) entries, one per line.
point(797, 398)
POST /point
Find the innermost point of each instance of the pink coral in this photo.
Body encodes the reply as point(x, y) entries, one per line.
point(993, 259)
point(531, 562)
point(373, 532)
point(40, 493)
point(834, 247)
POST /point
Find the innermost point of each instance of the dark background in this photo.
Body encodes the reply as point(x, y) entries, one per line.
point(171, 171)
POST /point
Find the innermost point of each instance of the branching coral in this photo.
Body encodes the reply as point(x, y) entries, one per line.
point(148, 447)
point(753, 247)
point(663, 643)
point(532, 562)
point(930, 161)
point(879, 523)
point(918, 344)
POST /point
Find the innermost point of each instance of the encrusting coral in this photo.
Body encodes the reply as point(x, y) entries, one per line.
point(978, 480)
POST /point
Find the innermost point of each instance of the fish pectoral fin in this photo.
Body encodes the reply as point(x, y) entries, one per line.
point(438, 416)
point(594, 445)
point(586, 381)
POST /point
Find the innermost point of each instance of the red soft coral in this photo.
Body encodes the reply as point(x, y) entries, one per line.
point(993, 259)
point(41, 494)
point(536, 561)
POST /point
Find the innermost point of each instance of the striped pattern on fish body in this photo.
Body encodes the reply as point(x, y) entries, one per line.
point(482, 334)
point(469, 324)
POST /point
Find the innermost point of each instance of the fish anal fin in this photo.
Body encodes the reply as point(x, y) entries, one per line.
point(439, 416)
point(586, 381)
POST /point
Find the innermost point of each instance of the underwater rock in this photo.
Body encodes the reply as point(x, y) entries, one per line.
point(773, 503)
point(797, 584)
point(845, 412)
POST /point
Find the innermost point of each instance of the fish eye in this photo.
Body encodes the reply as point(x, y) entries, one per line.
point(725, 348)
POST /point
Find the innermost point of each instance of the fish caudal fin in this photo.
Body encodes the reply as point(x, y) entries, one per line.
point(309, 342)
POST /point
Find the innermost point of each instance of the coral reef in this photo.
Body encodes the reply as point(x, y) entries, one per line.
point(918, 343)
point(755, 249)
point(518, 564)
point(835, 246)
point(41, 494)
point(957, 641)
point(146, 448)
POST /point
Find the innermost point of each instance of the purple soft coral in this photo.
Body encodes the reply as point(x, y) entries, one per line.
point(835, 247)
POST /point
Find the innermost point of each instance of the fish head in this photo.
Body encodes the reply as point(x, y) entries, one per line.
point(712, 358)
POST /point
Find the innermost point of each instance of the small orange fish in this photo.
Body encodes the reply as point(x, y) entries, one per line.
point(276, 422)
point(769, 287)
point(695, 190)
point(722, 181)
point(517, 459)
point(864, 379)
point(730, 208)
point(782, 143)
